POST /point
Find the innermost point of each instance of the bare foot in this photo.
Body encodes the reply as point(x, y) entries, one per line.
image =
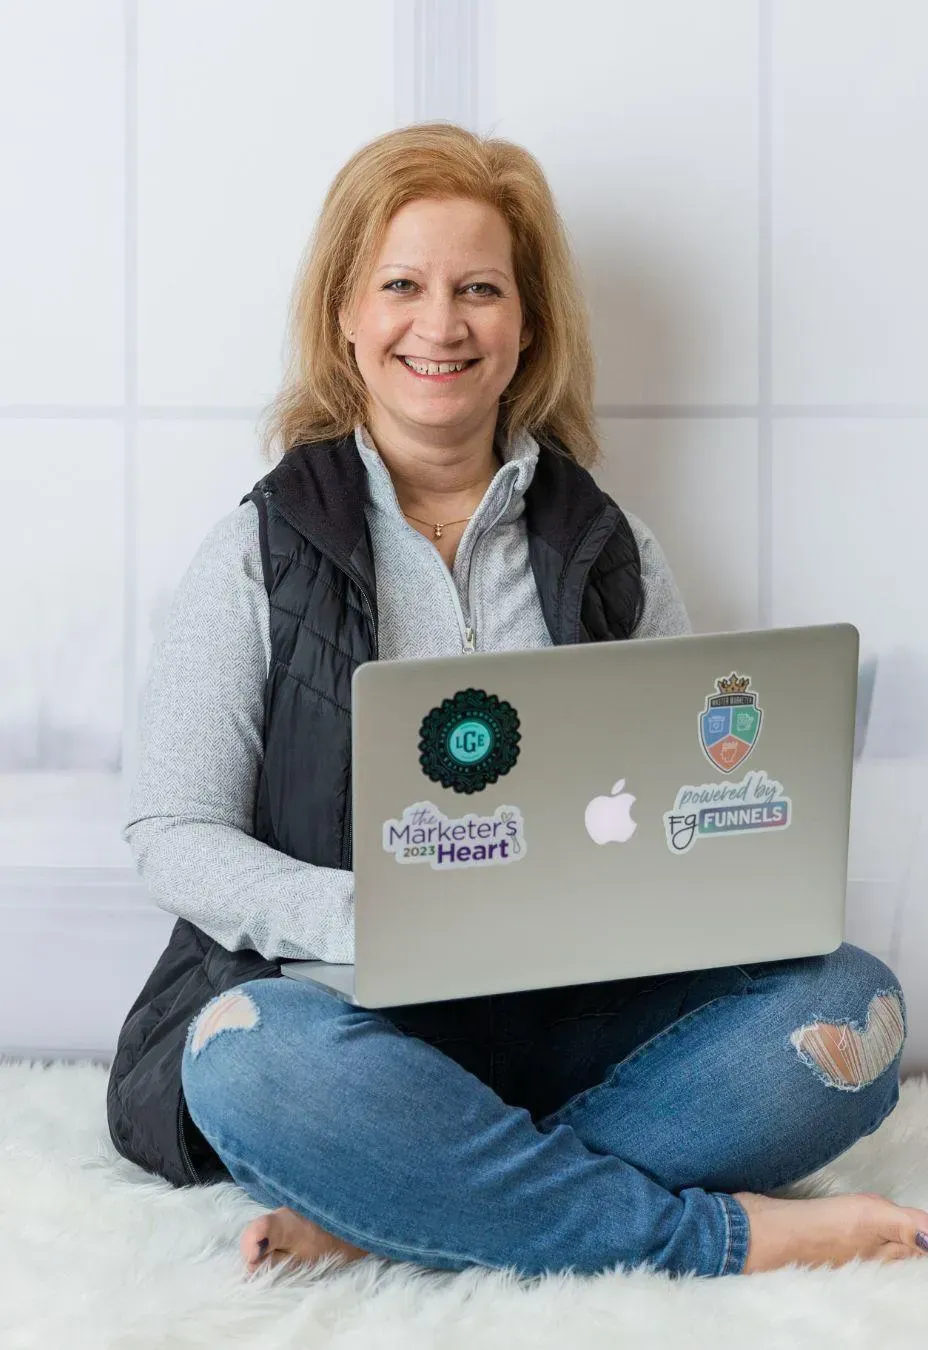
point(283, 1234)
point(829, 1230)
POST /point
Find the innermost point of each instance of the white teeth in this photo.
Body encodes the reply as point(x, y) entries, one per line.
point(433, 367)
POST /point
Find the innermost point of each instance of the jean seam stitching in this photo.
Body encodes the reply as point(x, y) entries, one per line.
point(728, 1235)
point(324, 1220)
point(639, 1052)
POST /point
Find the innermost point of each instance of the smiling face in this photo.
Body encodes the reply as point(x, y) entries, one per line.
point(442, 289)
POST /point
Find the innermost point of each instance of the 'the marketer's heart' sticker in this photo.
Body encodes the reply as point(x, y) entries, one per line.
point(427, 835)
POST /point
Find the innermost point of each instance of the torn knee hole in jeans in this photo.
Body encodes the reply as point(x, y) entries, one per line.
point(231, 1011)
point(847, 1058)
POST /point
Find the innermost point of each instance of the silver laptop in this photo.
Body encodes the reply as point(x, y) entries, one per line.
point(560, 816)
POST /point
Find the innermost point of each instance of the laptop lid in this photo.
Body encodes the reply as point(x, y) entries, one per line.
point(600, 811)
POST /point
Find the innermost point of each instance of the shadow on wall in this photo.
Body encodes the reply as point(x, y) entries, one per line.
point(75, 726)
point(45, 745)
point(892, 706)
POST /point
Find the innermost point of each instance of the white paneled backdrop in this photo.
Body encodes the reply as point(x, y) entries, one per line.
point(744, 184)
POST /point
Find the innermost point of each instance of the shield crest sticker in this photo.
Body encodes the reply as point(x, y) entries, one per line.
point(730, 724)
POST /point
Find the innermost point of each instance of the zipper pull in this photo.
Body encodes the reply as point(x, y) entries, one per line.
point(470, 644)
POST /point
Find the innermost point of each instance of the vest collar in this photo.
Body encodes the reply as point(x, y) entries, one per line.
point(509, 485)
point(320, 487)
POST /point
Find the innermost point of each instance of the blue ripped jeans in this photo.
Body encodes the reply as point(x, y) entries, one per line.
point(569, 1129)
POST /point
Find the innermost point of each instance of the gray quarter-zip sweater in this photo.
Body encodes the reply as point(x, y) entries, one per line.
point(191, 803)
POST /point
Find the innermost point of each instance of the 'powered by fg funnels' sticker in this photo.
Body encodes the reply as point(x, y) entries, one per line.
point(426, 835)
point(712, 809)
point(729, 726)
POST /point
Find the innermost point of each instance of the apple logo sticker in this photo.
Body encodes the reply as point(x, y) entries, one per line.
point(608, 819)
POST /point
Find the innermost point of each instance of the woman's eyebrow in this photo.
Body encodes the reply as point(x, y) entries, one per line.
point(408, 267)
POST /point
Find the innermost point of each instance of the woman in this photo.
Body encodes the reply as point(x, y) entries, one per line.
point(420, 511)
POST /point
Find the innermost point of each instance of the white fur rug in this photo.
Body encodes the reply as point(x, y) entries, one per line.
point(95, 1254)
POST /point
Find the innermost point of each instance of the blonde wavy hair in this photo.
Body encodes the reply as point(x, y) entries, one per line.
point(323, 395)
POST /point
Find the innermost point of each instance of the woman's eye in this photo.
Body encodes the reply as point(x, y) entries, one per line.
point(403, 281)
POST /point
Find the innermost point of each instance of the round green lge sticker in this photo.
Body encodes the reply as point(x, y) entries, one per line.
point(470, 741)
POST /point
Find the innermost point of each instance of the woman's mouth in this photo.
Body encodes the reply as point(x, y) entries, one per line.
point(439, 372)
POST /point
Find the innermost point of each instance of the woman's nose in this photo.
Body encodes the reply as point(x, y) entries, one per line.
point(439, 322)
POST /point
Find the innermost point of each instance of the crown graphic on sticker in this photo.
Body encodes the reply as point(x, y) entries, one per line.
point(733, 684)
point(470, 741)
point(730, 723)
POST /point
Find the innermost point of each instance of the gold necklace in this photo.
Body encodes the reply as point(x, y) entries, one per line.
point(437, 528)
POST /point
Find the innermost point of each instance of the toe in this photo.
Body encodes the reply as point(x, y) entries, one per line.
point(256, 1241)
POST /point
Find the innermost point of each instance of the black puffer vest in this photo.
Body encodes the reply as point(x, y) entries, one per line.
point(319, 573)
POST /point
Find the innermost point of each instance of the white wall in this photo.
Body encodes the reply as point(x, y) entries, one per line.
point(743, 183)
